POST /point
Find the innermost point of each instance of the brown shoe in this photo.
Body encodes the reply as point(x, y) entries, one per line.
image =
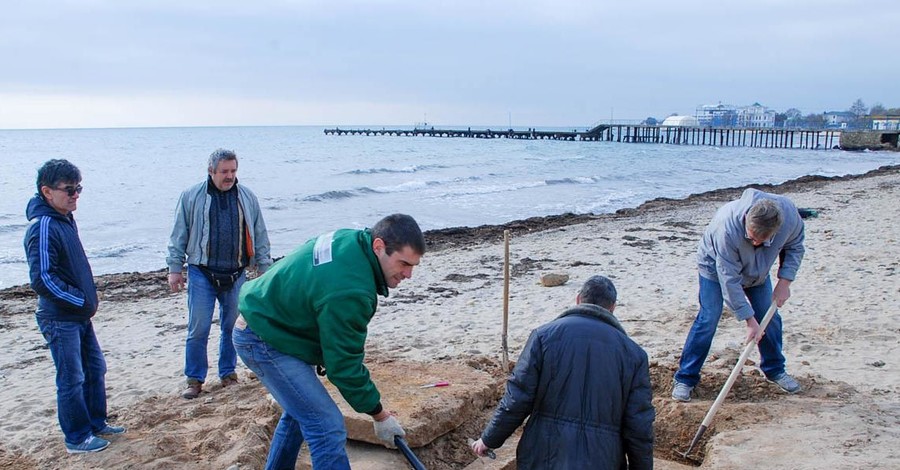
point(230, 379)
point(193, 389)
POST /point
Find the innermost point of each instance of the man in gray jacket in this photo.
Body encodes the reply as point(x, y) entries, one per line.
point(737, 252)
point(219, 231)
point(584, 386)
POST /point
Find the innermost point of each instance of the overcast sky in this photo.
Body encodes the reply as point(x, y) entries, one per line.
point(121, 63)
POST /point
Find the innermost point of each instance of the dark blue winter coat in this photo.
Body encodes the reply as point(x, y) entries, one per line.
point(585, 387)
point(59, 269)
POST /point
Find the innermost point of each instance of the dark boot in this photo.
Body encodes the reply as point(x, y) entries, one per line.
point(193, 389)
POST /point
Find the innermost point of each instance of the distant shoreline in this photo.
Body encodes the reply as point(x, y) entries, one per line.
point(441, 239)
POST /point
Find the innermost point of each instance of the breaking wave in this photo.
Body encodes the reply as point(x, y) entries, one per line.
point(408, 169)
point(114, 251)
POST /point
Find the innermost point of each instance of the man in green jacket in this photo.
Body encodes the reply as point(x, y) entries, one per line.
point(312, 309)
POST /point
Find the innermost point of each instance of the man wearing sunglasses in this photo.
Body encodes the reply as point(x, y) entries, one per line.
point(735, 255)
point(67, 299)
point(219, 231)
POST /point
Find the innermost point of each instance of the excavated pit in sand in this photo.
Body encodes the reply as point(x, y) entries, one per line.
point(233, 426)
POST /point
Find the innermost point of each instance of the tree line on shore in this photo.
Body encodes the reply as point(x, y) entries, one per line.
point(859, 116)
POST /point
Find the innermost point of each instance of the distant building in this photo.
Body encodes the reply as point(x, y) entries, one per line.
point(885, 123)
point(681, 121)
point(838, 119)
point(720, 115)
point(756, 116)
point(725, 115)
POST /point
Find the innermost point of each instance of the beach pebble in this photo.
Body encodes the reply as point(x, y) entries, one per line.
point(878, 363)
point(553, 279)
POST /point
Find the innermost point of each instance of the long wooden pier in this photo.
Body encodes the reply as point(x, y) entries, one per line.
point(712, 136)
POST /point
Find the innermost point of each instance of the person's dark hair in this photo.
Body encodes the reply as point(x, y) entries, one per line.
point(218, 155)
point(57, 171)
point(398, 231)
point(764, 218)
point(598, 290)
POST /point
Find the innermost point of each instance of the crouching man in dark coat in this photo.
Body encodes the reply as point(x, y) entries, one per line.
point(585, 387)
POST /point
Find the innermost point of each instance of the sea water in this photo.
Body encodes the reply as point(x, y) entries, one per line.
point(308, 182)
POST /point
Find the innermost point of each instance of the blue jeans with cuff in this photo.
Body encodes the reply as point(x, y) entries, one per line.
point(309, 412)
point(80, 377)
point(700, 338)
point(201, 299)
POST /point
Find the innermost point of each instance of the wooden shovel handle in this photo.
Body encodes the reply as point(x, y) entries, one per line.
point(737, 367)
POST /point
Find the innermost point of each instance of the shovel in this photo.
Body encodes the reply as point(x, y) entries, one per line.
point(408, 453)
point(728, 383)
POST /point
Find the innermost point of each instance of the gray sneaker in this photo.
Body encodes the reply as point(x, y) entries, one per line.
point(787, 383)
point(682, 392)
point(110, 430)
point(91, 444)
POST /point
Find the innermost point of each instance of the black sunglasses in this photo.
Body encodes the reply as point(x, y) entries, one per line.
point(71, 190)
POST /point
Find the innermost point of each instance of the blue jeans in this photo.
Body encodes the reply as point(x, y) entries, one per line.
point(201, 298)
point(700, 338)
point(309, 412)
point(80, 377)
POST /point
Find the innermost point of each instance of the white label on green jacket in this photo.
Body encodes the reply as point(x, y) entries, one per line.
point(322, 250)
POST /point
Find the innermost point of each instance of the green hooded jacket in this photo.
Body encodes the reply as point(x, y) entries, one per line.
point(316, 304)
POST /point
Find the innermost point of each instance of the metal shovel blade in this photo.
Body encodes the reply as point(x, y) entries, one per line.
point(408, 453)
point(694, 441)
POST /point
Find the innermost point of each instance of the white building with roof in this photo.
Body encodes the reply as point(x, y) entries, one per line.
point(716, 115)
point(726, 115)
point(756, 116)
point(681, 121)
point(838, 119)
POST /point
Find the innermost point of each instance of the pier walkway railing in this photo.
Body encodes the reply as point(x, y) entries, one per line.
point(712, 136)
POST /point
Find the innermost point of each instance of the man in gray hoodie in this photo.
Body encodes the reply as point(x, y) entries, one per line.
point(737, 252)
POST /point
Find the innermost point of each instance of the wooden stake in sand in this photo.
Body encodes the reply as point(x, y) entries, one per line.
point(504, 345)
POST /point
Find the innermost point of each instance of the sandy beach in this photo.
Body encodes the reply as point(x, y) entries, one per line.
point(841, 330)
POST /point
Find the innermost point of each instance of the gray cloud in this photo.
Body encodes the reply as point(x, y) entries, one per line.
point(552, 63)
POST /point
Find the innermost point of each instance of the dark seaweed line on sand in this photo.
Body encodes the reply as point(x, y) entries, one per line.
point(461, 236)
point(153, 283)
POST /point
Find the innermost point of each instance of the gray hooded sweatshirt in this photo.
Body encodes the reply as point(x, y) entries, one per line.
point(727, 256)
